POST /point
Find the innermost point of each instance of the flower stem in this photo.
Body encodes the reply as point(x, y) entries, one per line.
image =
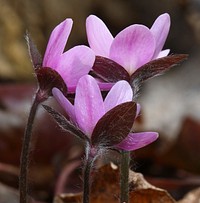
point(90, 158)
point(26, 151)
point(124, 175)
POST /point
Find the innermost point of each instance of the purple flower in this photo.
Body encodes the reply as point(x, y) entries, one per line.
point(89, 107)
point(72, 64)
point(134, 46)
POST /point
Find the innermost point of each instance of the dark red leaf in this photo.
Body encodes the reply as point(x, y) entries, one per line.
point(154, 68)
point(48, 78)
point(115, 125)
point(35, 56)
point(108, 70)
point(65, 124)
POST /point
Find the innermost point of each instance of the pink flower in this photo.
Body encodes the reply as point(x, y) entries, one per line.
point(89, 107)
point(72, 64)
point(134, 46)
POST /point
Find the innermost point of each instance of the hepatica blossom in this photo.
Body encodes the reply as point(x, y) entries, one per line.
point(71, 64)
point(134, 46)
point(135, 54)
point(60, 68)
point(89, 111)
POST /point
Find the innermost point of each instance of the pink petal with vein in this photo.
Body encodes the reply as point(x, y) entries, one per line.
point(65, 103)
point(133, 47)
point(160, 30)
point(74, 64)
point(137, 140)
point(57, 42)
point(99, 37)
point(89, 107)
point(120, 93)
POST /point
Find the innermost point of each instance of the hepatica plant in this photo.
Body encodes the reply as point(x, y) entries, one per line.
point(102, 124)
point(118, 65)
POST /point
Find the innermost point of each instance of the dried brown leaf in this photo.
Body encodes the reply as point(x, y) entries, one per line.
point(8, 194)
point(185, 152)
point(191, 197)
point(105, 188)
point(143, 192)
point(150, 195)
point(68, 198)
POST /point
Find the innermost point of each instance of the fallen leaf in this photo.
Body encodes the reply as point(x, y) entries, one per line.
point(185, 152)
point(68, 198)
point(105, 188)
point(191, 197)
point(8, 194)
point(143, 192)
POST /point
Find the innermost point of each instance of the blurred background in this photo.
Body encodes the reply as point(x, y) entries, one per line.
point(170, 103)
point(40, 17)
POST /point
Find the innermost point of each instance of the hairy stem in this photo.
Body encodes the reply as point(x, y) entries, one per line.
point(90, 158)
point(124, 175)
point(26, 150)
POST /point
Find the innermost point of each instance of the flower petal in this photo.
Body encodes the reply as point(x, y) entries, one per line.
point(120, 93)
point(138, 110)
point(74, 64)
point(105, 86)
point(133, 47)
point(99, 37)
point(137, 140)
point(89, 107)
point(163, 53)
point(57, 42)
point(160, 30)
point(65, 103)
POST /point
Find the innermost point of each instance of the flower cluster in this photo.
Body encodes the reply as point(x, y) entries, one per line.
point(111, 66)
point(130, 50)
